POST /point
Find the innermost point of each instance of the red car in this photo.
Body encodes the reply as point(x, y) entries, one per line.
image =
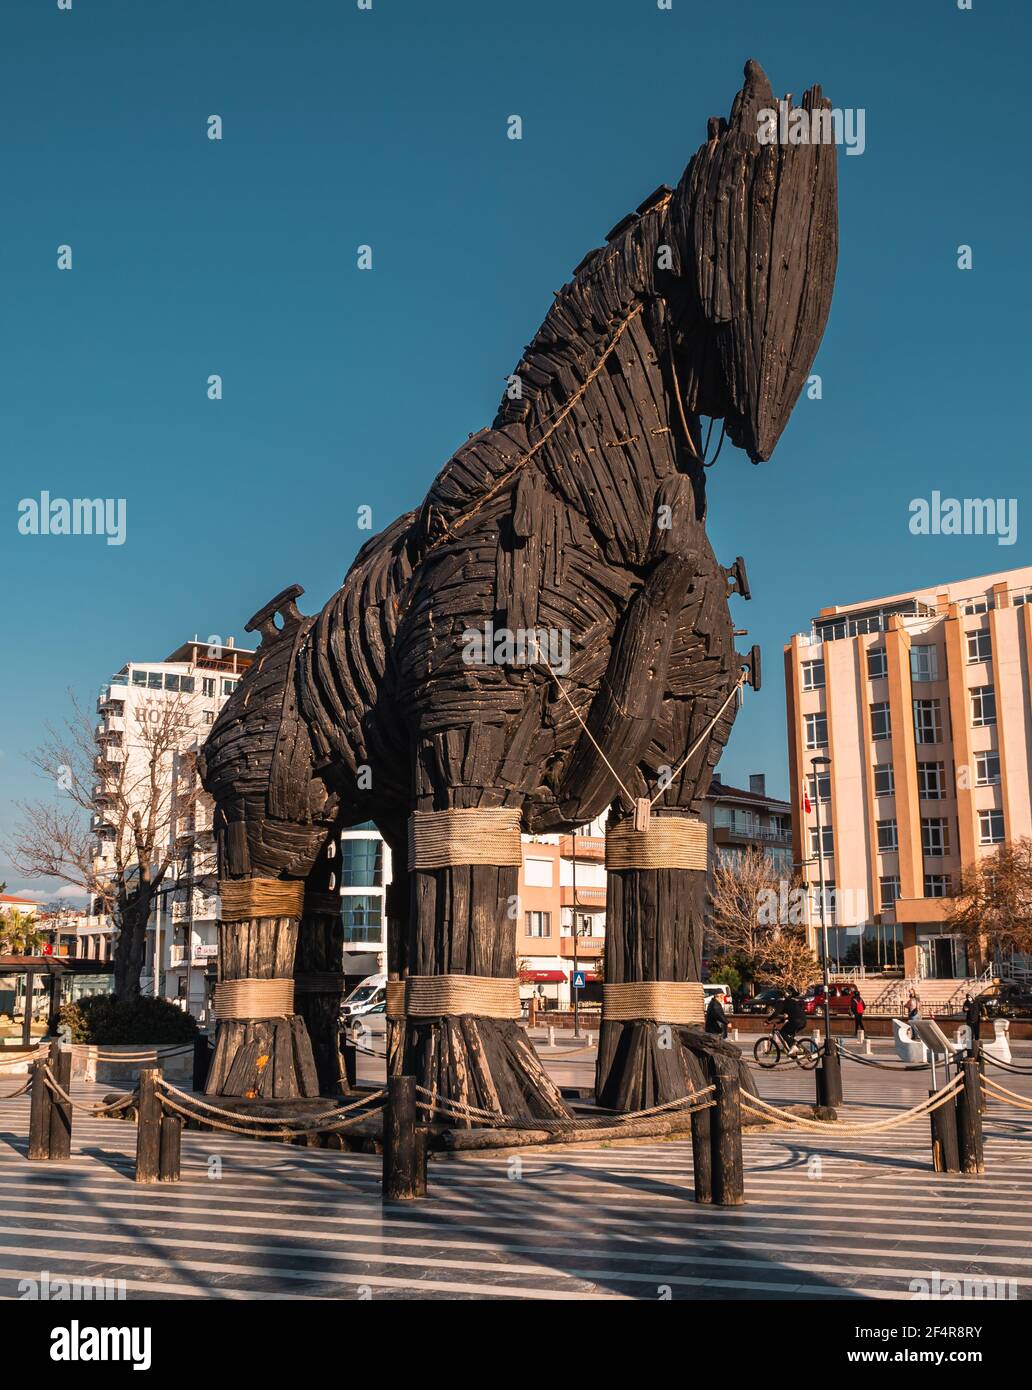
point(813, 999)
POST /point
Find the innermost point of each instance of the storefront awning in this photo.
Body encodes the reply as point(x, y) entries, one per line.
point(542, 977)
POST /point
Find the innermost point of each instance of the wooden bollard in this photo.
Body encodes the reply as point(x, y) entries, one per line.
point(201, 1061)
point(969, 1120)
point(170, 1148)
point(60, 1061)
point(726, 1140)
point(702, 1155)
point(945, 1153)
point(148, 1127)
point(349, 1056)
point(40, 1107)
point(404, 1143)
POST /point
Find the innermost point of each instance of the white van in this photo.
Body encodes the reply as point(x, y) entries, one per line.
point(369, 997)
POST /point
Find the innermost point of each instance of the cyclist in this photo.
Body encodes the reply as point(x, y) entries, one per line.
point(790, 1018)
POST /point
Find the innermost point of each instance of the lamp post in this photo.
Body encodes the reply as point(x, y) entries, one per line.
point(829, 1080)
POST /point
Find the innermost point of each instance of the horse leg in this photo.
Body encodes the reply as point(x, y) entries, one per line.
point(318, 966)
point(463, 922)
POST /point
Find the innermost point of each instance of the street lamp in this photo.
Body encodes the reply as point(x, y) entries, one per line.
point(830, 1082)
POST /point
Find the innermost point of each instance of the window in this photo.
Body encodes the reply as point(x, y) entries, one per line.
point(153, 680)
point(983, 705)
point(990, 827)
point(209, 716)
point(927, 721)
point(829, 898)
point(537, 873)
point(538, 923)
point(888, 837)
point(813, 675)
point(881, 722)
point(363, 917)
point(828, 839)
point(139, 678)
point(884, 780)
point(229, 686)
point(889, 890)
point(819, 784)
point(935, 836)
point(931, 781)
point(987, 769)
point(936, 885)
point(208, 687)
point(877, 663)
point(979, 646)
point(924, 664)
point(361, 863)
point(976, 605)
point(816, 731)
point(1019, 600)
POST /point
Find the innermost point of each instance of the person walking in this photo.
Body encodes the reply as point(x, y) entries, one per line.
point(716, 1018)
point(913, 1007)
point(857, 1008)
point(973, 1017)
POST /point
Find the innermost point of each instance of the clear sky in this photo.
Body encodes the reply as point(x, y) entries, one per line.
point(345, 388)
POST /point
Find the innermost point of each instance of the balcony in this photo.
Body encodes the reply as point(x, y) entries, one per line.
point(590, 848)
point(177, 955)
point(586, 897)
point(742, 834)
point(588, 947)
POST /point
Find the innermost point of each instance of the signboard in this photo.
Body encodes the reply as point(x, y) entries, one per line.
point(203, 954)
point(932, 1036)
point(579, 979)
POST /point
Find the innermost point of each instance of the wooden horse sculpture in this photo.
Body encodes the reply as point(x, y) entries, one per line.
point(547, 637)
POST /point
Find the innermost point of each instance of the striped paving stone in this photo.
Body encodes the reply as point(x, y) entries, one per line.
point(826, 1216)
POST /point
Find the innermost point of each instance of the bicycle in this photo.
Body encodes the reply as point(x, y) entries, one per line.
point(769, 1050)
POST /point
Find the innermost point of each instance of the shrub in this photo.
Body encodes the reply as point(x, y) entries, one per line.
point(101, 1018)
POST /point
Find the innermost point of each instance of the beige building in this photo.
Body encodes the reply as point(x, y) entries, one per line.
point(921, 702)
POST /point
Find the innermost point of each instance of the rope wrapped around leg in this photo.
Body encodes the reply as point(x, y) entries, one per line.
point(473, 835)
point(245, 898)
point(439, 996)
point(252, 998)
point(663, 1001)
point(668, 842)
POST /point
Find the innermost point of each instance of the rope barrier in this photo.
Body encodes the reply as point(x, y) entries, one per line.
point(1006, 1066)
point(154, 1056)
point(13, 1095)
point(584, 1123)
point(317, 1126)
point(55, 1086)
point(885, 1066)
point(763, 1109)
point(22, 1057)
point(993, 1088)
point(324, 1120)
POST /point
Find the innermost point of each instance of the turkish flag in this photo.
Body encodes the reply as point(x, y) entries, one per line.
point(805, 803)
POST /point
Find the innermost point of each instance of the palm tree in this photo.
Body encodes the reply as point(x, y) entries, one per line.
point(19, 935)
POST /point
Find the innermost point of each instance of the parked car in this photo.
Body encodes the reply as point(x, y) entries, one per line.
point(723, 993)
point(369, 997)
point(838, 999)
point(762, 1003)
point(1009, 1001)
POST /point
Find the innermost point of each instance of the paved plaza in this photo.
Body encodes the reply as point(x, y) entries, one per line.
point(826, 1217)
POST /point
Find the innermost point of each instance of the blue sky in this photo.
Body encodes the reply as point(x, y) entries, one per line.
point(345, 388)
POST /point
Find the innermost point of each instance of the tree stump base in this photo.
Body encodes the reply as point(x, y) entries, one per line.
point(263, 1059)
point(642, 1063)
point(486, 1063)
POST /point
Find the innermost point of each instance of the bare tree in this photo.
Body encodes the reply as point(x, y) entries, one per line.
point(755, 917)
point(993, 904)
point(143, 804)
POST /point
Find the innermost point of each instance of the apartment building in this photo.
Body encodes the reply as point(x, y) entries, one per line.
point(740, 820)
point(197, 679)
point(921, 703)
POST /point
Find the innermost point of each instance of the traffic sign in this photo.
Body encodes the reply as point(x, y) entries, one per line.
point(578, 979)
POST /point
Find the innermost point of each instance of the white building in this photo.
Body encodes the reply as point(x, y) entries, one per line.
point(182, 932)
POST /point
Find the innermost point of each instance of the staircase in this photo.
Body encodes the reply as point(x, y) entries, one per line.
point(935, 996)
